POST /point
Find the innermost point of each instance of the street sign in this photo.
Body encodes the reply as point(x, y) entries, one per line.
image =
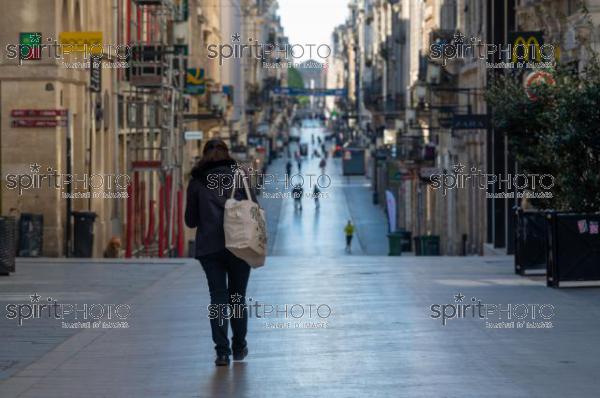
point(38, 112)
point(96, 74)
point(38, 123)
point(470, 122)
point(193, 135)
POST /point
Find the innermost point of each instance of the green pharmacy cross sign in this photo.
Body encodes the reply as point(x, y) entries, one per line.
point(30, 45)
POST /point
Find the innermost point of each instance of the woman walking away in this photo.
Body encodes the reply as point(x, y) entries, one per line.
point(227, 275)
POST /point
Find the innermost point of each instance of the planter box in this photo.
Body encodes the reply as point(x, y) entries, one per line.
point(573, 249)
point(530, 242)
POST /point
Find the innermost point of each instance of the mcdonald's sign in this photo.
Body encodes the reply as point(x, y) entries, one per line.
point(530, 47)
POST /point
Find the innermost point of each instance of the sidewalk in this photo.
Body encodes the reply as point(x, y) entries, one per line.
point(379, 340)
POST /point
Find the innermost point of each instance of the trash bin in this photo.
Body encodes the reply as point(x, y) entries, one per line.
point(7, 245)
point(406, 240)
point(430, 245)
point(396, 241)
point(417, 240)
point(31, 235)
point(83, 233)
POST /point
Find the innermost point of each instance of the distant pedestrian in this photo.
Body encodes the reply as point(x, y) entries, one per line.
point(324, 150)
point(316, 195)
point(349, 231)
point(323, 165)
point(299, 165)
point(297, 193)
point(288, 168)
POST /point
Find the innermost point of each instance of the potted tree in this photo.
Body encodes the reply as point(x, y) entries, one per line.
point(553, 129)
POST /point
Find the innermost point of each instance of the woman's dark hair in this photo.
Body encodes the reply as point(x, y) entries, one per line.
point(215, 150)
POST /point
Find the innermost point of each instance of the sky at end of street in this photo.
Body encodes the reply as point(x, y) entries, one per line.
point(311, 21)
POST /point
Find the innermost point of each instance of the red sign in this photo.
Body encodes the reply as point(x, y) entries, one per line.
point(38, 112)
point(146, 164)
point(38, 123)
point(537, 78)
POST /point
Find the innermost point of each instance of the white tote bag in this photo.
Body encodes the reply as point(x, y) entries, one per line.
point(245, 227)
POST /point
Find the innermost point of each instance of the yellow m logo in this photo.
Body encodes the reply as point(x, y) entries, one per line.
point(520, 41)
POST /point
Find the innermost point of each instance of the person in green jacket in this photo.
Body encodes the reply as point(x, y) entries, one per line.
point(349, 230)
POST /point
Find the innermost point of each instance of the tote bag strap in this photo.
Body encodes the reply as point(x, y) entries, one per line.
point(240, 171)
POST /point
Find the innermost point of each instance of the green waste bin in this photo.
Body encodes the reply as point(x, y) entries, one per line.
point(430, 245)
point(427, 245)
point(396, 240)
point(406, 240)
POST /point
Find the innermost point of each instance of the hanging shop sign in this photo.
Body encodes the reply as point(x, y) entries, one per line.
point(30, 45)
point(96, 74)
point(81, 42)
point(194, 81)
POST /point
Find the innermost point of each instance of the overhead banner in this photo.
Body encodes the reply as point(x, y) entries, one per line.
point(317, 92)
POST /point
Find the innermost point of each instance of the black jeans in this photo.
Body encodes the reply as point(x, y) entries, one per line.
point(227, 277)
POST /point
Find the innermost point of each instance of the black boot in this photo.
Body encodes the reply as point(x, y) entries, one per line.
point(240, 355)
point(222, 360)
